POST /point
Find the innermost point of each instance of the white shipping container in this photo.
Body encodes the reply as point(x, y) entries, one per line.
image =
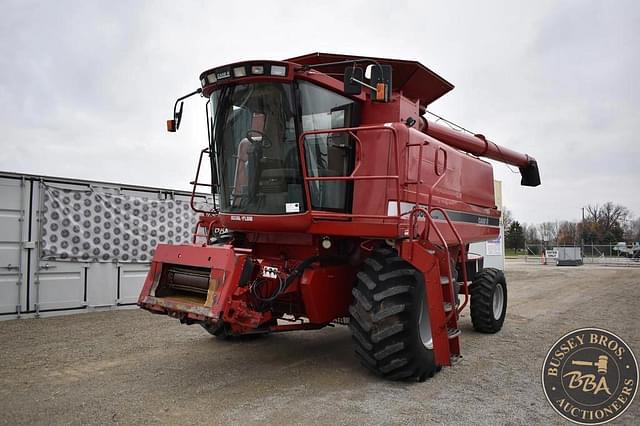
point(58, 248)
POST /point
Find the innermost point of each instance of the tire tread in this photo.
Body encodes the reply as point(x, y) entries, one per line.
point(383, 321)
point(481, 291)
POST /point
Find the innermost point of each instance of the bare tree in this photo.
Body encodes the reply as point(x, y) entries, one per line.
point(632, 230)
point(607, 215)
point(507, 217)
point(567, 233)
point(530, 234)
point(604, 223)
point(548, 231)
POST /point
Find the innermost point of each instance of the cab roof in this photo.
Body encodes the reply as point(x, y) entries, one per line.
point(411, 77)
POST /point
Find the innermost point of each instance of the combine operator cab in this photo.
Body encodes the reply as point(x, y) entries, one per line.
point(256, 146)
point(337, 201)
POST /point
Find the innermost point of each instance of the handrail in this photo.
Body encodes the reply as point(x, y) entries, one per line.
point(351, 131)
point(427, 213)
point(418, 180)
point(463, 256)
point(195, 235)
point(437, 182)
point(412, 237)
point(195, 185)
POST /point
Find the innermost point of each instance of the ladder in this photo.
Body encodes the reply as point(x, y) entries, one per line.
point(435, 262)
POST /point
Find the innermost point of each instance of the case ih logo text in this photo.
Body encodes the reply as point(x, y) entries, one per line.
point(590, 376)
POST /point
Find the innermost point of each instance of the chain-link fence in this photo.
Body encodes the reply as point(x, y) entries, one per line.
point(604, 254)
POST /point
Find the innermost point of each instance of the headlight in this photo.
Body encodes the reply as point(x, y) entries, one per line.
point(279, 70)
point(211, 78)
point(257, 69)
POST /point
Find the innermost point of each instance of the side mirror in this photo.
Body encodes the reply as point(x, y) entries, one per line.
point(382, 81)
point(353, 78)
point(174, 124)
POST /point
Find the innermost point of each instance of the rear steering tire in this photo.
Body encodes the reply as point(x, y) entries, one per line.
point(488, 300)
point(389, 319)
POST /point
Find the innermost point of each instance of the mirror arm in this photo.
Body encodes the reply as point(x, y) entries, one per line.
point(362, 83)
point(177, 113)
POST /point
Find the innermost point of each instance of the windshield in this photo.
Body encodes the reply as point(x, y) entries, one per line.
point(256, 149)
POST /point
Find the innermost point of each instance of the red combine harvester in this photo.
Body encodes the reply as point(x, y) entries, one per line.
point(337, 201)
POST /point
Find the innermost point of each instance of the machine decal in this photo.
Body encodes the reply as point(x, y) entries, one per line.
point(269, 272)
point(224, 74)
point(292, 207)
point(453, 215)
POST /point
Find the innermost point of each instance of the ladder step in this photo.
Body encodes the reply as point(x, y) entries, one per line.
point(455, 359)
point(444, 280)
point(454, 332)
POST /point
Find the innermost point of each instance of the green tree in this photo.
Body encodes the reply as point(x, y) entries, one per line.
point(514, 236)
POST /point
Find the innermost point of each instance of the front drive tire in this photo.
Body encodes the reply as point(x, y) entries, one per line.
point(488, 300)
point(220, 331)
point(223, 331)
point(389, 321)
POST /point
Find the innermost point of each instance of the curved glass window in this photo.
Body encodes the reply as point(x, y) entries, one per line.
point(328, 154)
point(256, 149)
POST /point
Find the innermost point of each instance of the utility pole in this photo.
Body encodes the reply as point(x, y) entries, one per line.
point(582, 236)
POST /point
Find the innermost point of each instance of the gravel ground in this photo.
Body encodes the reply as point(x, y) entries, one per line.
point(134, 367)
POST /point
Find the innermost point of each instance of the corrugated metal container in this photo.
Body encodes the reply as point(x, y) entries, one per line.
point(568, 256)
point(69, 244)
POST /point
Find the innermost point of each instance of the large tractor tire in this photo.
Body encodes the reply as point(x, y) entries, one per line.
point(389, 319)
point(488, 300)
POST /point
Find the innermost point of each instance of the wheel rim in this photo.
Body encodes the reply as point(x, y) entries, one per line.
point(424, 325)
point(498, 301)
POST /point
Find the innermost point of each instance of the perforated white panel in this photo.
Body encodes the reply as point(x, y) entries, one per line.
point(90, 225)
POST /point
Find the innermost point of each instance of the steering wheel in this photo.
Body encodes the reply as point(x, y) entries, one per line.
point(266, 143)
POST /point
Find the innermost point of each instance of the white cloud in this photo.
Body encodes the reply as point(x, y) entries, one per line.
point(85, 87)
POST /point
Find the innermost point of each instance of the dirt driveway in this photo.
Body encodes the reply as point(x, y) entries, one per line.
point(134, 367)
